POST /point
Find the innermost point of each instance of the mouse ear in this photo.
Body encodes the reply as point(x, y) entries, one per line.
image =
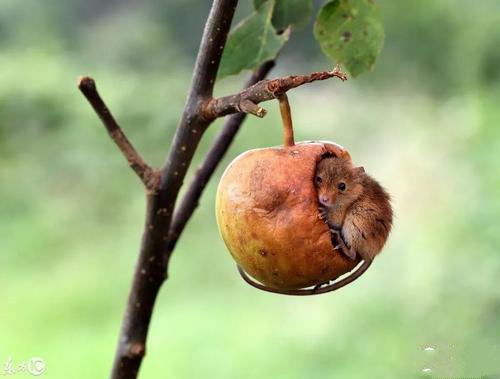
point(359, 170)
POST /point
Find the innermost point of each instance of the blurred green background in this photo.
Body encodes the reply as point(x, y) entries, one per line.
point(425, 122)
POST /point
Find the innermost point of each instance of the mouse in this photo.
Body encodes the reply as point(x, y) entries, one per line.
point(355, 206)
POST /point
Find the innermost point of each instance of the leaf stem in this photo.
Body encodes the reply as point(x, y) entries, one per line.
point(286, 118)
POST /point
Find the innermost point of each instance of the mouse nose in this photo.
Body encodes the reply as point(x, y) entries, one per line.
point(324, 200)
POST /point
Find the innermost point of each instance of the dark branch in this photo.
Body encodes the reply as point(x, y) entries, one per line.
point(199, 112)
point(262, 91)
point(219, 148)
point(88, 88)
point(211, 48)
point(150, 273)
point(192, 124)
point(152, 265)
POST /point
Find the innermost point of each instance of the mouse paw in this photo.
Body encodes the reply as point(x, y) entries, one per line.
point(322, 215)
point(336, 239)
point(339, 244)
point(350, 253)
point(335, 233)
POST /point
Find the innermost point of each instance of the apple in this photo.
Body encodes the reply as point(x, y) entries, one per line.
point(267, 213)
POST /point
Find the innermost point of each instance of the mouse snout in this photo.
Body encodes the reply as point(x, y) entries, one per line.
point(325, 200)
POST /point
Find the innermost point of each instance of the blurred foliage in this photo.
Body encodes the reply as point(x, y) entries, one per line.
point(425, 122)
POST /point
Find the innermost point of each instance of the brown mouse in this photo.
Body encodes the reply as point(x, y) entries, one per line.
point(355, 206)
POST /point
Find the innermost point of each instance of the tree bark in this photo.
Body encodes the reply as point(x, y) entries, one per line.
point(203, 174)
point(247, 100)
point(152, 266)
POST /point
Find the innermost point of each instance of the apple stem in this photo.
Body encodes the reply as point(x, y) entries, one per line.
point(286, 117)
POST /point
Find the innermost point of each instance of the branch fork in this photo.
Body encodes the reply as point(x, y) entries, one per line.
point(247, 100)
point(147, 175)
point(165, 222)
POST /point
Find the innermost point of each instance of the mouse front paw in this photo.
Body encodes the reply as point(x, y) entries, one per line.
point(322, 215)
point(335, 232)
point(339, 244)
point(336, 239)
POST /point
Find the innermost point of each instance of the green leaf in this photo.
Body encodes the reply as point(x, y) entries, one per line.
point(289, 12)
point(351, 33)
point(252, 42)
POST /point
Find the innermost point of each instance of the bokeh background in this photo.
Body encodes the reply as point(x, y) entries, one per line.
point(425, 122)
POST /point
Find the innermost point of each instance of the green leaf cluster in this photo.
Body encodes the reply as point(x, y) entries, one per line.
point(349, 32)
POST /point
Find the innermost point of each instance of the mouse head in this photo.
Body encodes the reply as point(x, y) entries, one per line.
point(338, 183)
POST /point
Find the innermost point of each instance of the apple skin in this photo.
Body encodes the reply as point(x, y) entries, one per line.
point(267, 213)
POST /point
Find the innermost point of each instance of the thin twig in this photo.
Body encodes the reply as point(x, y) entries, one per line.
point(203, 174)
point(263, 91)
point(142, 169)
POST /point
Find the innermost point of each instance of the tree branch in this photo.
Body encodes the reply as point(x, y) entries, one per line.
point(144, 172)
point(152, 266)
point(211, 48)
point(203, 174)
point(192, 124)
point(262, 91)
point(160, 234)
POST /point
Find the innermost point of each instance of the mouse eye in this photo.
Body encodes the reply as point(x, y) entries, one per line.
point(318, 180)
point(341, 186)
